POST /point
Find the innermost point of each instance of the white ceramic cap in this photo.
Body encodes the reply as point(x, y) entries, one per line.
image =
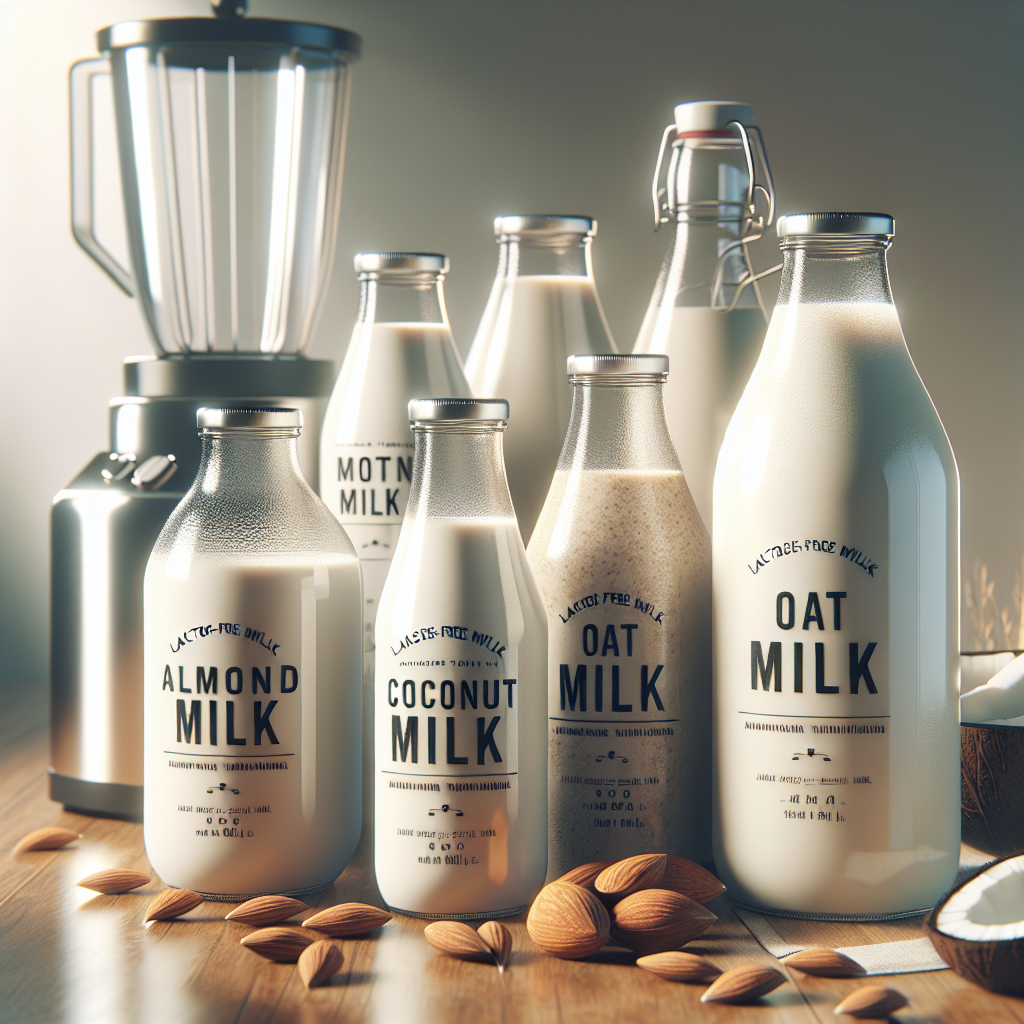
point(401, 263)
point(587, 364)
point(711, 115)
point(835, 224)
point(544, 224)
point(252, 416)
point(426, 409)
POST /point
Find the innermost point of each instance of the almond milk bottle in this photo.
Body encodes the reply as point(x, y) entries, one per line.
point(460, 822)
point(543, 307)
point(706, 311)
point(251, 612)
point(836, 601)
point(623, 562)
point(401, 348)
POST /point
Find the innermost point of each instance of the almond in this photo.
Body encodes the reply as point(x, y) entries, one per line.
point(114, 880)
point(871, 1002)
point(568, 921)
point(173, 903)
point(319, 962)
point(281, 944)
point(675, 965)
point(585, 874)
point(643, 871)
point(453, 938)
point(825, 963)
point(689, 878)
point(263, 910)
point(46, 839)
point(499, 939)
point(656, 920)
point(744, 984)
point(347, 919)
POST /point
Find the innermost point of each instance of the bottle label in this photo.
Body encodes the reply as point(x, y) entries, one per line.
point(446, 740)
point(369, 484)
point(614, 728)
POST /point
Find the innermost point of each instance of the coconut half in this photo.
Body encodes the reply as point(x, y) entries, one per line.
point(992, 787)
point(978, 929)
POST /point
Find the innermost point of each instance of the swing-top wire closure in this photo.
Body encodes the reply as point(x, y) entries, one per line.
point(752, 224)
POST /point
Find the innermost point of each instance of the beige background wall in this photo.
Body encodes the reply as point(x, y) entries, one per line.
point(463, 109)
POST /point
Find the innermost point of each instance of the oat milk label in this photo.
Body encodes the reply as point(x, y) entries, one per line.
point(614, 725)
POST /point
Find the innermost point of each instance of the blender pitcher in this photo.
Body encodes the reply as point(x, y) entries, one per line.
point(231, 138)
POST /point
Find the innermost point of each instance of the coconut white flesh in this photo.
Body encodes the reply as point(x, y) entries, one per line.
point(1000, 699)
point(988, 908)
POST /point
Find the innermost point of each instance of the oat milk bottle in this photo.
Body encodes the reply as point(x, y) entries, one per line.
point(836, 581)
point(623, 562)
point(460, 692)
point(251, 617)
point(543, 307)
point(702, 314)
point(401, 348)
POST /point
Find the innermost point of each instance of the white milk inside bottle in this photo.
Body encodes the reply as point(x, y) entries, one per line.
point(252, 665)
point(623, 562)
point(543, 308)
point(460, 820)
point(702, 313)
point(401, 348)
point(836, 601)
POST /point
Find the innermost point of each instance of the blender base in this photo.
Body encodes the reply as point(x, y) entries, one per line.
point(100, 799)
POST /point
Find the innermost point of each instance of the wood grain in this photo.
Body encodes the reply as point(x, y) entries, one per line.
point(69, 956)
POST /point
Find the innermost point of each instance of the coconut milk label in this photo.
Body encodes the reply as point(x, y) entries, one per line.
point(446, 734)
point(806, 670)
point(614, 714)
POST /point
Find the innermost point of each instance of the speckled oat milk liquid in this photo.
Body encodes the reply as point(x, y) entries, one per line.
point(460, 822)
point(252, 666)
point(836, 601)
point(623, 562)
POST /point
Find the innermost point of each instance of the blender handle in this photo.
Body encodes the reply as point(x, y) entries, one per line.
point(82, 74)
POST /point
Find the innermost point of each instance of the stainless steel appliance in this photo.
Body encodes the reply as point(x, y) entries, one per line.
point(231, 138)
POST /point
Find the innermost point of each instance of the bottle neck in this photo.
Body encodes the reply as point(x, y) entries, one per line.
point(406, 298)
point(618, 422)
point(458, 471)
point(249, 461)
point(566, 255)
point(834, 268)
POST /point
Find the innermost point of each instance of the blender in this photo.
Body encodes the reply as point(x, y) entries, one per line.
point(231, 139)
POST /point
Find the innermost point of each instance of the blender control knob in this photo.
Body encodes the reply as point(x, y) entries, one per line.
point(124, 465)
point(154, 472)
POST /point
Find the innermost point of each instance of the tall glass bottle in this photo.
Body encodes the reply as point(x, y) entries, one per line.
point(836, 597)
point(543, 307)
point(252, 664)
point(623, 562)
point(460, 694)
point(700, 315)
point(401, 348)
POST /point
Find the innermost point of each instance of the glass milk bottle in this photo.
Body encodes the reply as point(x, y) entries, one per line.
point(702, 314)
point(460, 693)
point(252, 666)
point(623, 562)
point(543, 307)
point(401, 348)
point(836, 579)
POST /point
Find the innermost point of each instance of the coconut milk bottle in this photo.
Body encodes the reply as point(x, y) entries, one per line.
point(706, 312)
point(401, 348)
point(836, 579)
point(623, 562)
point(543, 307)
point(252, 673)
point(460, 823)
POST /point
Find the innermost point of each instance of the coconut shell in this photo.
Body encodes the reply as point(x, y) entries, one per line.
point(996, 966)
point(992, 795)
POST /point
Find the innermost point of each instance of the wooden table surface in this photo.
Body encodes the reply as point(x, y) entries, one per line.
point(67, 955)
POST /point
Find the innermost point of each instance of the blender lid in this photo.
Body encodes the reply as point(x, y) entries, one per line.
point(272, 31)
